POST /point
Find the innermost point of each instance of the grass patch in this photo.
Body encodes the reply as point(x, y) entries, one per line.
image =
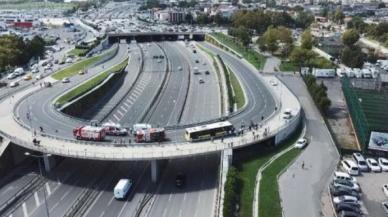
point(269, 198)
point(250, 55)
point(78, 52)
point(81, 65)
point(287, 66)
point(90, 84)
point(239, 97)
point(248, 161)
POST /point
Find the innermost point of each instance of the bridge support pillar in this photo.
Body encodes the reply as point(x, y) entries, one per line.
point(154, 171)
point(48, 162)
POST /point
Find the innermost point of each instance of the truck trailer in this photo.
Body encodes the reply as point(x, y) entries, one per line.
point(89, 133)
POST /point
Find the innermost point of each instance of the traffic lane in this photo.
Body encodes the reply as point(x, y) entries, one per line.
point(188, 200)
point(40, 108)
point(60, 201)
point(203, 102)
point(128, 206)
point(105, 198)
point(320, 158)
point(143, 99)
point(10, 189)
point(261, 103)
point(172, 98)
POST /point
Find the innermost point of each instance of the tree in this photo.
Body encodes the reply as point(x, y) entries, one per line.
point(301, 56)
point(35, 47)
point(304, 19)
point(352, 57)
point(381, 5)
point(338, 16)
point(275, 38)
point(307, 40)
point(350, 37)
point(269, 39)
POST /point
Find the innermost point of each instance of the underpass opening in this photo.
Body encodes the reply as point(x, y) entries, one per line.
point(154, 36)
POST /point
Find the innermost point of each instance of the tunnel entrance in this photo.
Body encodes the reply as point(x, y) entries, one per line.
point(155, 36)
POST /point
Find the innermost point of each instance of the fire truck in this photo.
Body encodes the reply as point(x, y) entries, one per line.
point(89, 133)
point(150, 135)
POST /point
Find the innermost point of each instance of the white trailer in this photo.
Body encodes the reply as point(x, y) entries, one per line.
point(122, 188)
point(324, 73)
point(357, 73)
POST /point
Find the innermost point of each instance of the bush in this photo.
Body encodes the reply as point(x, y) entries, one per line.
point(232, 194)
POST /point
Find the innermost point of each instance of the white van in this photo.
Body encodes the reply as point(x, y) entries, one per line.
point(350, 167)
point(344, 176)
point(361, 162)
point(19, 71)
point(122, 188)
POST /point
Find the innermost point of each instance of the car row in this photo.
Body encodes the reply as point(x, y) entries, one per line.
point(359, 164)
point(346, 195)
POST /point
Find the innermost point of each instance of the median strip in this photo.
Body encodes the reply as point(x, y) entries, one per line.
point(81, 65)
point(90, 84)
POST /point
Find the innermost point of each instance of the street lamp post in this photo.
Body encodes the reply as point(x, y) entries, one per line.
point(41, 174)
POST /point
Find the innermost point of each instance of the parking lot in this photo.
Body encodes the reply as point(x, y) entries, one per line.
point(371, 185)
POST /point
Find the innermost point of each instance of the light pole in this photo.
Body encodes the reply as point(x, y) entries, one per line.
point(41, 174)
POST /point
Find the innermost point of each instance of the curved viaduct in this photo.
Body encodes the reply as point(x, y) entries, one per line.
point(265, 106)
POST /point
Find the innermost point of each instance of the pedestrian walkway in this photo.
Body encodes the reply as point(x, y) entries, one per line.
point(309, 175)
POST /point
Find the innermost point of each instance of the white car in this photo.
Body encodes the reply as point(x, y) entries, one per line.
point(345, 199)
point(301, 143)
point(273, 82)
point(180, 68)
point(383, 163)
point(373, 165)
point(65, 80)
point(12, 76)
point(14, 84)
point(385, 189)
point(344, 176)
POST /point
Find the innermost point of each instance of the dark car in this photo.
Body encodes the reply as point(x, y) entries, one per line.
point(339, 191)
point(196, 61)
point(207, 72)
point(180, 180)
point(194, 51)
point(348, 214)
point(347, 207)
point(161, 57)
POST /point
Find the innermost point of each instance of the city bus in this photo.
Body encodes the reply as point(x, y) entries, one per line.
point(208, 131)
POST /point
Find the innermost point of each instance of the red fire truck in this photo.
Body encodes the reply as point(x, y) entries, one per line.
point(89, 133)
point(150, 135)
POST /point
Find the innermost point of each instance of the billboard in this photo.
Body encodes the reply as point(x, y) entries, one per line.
point(378, 141)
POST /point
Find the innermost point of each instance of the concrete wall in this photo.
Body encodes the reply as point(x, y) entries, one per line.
point(288, 129)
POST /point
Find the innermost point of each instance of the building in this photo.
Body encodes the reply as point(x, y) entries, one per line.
point(170, 16)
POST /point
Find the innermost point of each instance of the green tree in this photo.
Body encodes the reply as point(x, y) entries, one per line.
point(304, 19)
point(352, 57)
point(307, 40)
point(35, 47)
point(338, 16)
point(301, 56)
point(350, 37)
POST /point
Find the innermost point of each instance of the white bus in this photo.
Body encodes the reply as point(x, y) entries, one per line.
point(122, 188)
point(208, 131)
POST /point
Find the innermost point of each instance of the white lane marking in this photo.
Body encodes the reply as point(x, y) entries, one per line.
point(184, 196)
point(110, 202)
point(10, 215)
point(169, 198)
point(36, 198)
point(130, 101)
point(134, 94)
point(120, 113)
point(131, 97)
point(114, 115)
point(180, 212)
point(48, 189)
point(25, 213)
point(164, 213)
point(64, 195)
point(124, 109)
point(103, 212)
point(126, 105)
point(52, 208)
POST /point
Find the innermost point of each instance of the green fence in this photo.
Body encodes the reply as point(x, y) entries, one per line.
point(359, 120)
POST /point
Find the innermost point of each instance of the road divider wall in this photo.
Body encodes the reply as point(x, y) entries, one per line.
point(75, 102)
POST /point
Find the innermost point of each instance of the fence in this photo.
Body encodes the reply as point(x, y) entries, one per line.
point(357, 114)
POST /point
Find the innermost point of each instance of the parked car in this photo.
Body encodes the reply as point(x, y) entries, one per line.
point(346, 184)
point(344, 176)
point(385, 207)
point(348, 214)
point(27, 77)
point(383, 162)
point(347, 207)
point(201, 81)
point(350, 167)
point(14, 84)
point(12, 76)
point(345, 199)
point(341, 191)
point(65, 80)
point(385, 189)
point(301, 143)
point(361, 162)
point(373, 165)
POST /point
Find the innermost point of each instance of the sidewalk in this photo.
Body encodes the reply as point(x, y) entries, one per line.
point(320, 158)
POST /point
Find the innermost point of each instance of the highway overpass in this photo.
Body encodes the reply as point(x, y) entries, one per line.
point(156, 36)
